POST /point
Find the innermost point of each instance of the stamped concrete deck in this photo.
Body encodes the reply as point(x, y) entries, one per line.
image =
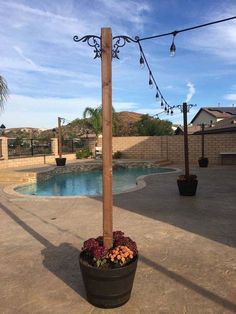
point(187, 248)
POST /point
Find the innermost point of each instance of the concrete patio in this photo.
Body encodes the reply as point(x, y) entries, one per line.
point(187, 247)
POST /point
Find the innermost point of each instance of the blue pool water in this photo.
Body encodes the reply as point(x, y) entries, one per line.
point(87, 183)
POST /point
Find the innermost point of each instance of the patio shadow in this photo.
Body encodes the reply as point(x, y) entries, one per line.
point(190, 285)
point(61, 260)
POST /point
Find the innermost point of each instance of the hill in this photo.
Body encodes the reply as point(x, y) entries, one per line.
point(126, 124)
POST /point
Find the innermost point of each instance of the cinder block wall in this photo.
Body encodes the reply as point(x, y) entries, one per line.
point(171, 147)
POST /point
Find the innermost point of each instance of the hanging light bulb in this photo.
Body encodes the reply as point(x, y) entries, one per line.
point(173, 47)
point(165, 108)
point(162, 103)
point(150, 81)
point(168, 111)
point(157, 95)
point(171, 112)
point(141, 61)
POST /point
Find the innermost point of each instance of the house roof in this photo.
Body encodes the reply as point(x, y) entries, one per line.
point(217, 112)
point(191, 129)
point(225, 125)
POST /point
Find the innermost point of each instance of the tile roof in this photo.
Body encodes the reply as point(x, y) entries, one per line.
point(225, 125)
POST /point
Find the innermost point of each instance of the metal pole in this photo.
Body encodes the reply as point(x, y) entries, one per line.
point(32, 148)
point(106, 69)
point(186, 159)
point(59, 138)
point(203, 150)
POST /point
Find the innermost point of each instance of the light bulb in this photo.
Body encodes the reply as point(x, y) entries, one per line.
point(173, 47)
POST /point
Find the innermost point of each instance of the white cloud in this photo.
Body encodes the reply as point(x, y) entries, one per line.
point(230, 97)
point(191, 91)
point(219, 39)
point(43, 112)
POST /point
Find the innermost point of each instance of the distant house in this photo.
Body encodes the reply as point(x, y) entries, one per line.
point(227, 125)
point(191, 129)
point(212, 115)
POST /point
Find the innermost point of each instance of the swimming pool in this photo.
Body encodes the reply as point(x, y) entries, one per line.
point(88, 182)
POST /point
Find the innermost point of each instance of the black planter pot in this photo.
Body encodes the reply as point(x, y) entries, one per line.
point(108, 288)
point(60, 161)
point(203, 162)
point(187, 188)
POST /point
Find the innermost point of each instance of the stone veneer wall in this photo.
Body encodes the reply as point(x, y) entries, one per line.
point(171, 147)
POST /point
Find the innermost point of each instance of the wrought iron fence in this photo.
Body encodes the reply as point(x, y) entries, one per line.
point(71, 146)
point(28, 147)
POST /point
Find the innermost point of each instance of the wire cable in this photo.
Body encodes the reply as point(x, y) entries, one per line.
point(187, 29)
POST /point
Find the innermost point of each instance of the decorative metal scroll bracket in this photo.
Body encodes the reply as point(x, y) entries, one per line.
point(95, 42)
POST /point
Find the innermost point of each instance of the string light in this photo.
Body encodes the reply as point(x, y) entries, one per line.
point(121, 40)
point(141, 61)
point(173, 47)
point(150, 80)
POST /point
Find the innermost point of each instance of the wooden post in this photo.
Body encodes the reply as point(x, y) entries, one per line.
point(186, 159)
point(59, 138)
point(106, 46)
point(203, 146)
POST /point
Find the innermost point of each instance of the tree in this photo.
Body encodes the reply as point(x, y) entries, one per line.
point(149, 126)
point(3, 92)
point(95, 117)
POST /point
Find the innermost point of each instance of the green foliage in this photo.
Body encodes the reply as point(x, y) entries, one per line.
point(117, 155)
point(149, 126)
point(94, 116)
point(83, 153)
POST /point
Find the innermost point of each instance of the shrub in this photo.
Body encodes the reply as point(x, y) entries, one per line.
point(83, 153)
point(117, 155)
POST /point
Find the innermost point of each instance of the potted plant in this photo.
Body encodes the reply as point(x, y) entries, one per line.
point(187, 183)
point(203, 161)
point(108, 274)
point(60, 161)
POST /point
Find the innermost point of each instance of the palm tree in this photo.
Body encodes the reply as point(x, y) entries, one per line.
point(3, 92)
point(95, 116)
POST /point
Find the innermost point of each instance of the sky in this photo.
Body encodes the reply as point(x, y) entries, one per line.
point(49, 75)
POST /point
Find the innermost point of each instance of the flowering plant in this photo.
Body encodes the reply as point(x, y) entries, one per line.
point(121, 253)
point(191, 177)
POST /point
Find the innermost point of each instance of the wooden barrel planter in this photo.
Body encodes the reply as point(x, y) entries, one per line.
point(203, 162)
point(60, 161)
point(108, 288)
point(187, 188)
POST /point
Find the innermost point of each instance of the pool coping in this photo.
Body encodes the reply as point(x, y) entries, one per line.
point(140, 184)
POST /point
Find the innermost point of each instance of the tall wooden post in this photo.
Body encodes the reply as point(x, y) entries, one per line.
point(203, 146)
point(59, 138)
point(106, 46)
point(186, 159)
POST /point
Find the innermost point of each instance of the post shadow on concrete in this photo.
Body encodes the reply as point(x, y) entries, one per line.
point(62, 260)
point(190, 285)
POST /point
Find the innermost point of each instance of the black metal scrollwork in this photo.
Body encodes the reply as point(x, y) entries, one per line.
point(92, 41)
point(120, 41)
point(95, 42)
